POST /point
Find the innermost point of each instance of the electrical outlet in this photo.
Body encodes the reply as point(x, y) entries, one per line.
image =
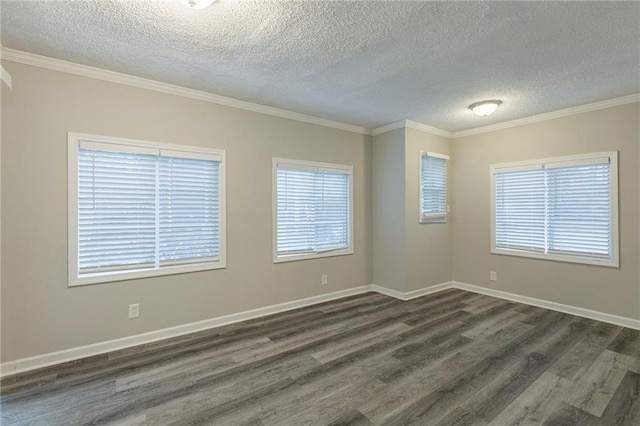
point(493, 276)
point(134, 310)
point(325, 279)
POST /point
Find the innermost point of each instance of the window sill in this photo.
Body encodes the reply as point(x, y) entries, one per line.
point(611, 263)
point(106, 277)
point(433, 220)
point(296, 257)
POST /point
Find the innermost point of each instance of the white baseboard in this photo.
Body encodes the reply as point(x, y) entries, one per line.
point(45, 360)
point(412, 294)
point(567, 309)
point(387, 291)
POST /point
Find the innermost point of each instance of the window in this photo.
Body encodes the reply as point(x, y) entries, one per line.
point(312, 210)
point(139, 209)
point(560, 209)
point(433, 187)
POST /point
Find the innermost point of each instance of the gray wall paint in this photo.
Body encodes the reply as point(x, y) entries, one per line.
point(408, 255)
point(428, 245)
point(389, 256)
point(40, 314)
point(611, 290)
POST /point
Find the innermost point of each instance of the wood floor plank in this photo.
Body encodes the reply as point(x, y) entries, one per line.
point(506, 387)
point(27, 409)
point(568, 415)
point(449, 358)
point(493, 324)
point(333, 406)
point(422, 315)
point(624, 408)
point(509, 333)
point(627, 342)
point(483, 305)
point(336, 351)
point(437, 404)
point(537, 403)
point(595, 389)
point(461, 417)
point(579, 358)
point(408, 385)
point(353, 418)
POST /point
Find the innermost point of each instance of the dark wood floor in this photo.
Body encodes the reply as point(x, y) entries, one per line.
point(452, 358)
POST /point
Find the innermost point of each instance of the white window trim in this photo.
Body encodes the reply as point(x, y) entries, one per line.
point(74, 140)
point(274, 188)
point(614, 262)
point(432, 217)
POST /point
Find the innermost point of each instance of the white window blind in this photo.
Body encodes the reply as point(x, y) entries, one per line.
point(189, 210)
point(563, 209)
point(433, 187)
point(116, 211)
point(520, 210)
point(141, 210)
point(312, 209)
point(579, 213)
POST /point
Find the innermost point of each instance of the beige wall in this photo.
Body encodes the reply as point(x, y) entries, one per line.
point(40, 314)
point(610, 290)
point(407, 255)
point(388, 184)
point(428, 245)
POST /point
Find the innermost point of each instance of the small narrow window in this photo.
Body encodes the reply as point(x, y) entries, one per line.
point(559, 209)
point(433, 187)
point(139, 209)
point(312, 210)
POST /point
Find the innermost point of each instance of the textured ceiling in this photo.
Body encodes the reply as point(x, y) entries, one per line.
point(363, 63)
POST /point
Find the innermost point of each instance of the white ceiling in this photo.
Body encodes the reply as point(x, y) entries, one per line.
point(366, 63)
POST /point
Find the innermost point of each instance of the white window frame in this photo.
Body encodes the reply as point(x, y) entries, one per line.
point(613, 204)
point(74, 140)
point(309, 164)
point(441, 217)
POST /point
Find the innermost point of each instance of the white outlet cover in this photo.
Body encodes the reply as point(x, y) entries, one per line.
point(134, 310)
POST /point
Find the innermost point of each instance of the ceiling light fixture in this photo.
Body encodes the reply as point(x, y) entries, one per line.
point(197, 4)
point(484, 108)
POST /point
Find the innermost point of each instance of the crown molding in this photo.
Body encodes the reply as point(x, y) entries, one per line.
point(428, 129)
point(609, 103)
point(5, 76)
point(408, 124)
point(143, 83)
point(387, 128)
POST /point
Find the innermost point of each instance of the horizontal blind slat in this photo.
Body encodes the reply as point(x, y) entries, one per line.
point(433, 187)
point(121, 217)
point(189, 209)
point(116, 209)
point(520, 209)
point(312, 209)
point(565, 209)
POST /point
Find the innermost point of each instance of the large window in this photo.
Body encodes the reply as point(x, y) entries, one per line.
point(312, 210)
point(433, 187)
point(560, 209)
point(138, 209)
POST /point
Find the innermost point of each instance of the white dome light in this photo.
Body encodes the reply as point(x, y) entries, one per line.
point(485, 108)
